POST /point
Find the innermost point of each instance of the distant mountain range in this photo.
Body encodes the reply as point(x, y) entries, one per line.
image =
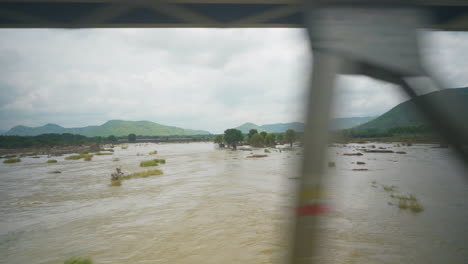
point(336, 124)
point(404, 114)
point(113, 127)
point(407, 114)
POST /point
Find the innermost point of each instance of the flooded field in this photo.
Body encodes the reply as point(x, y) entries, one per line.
point(218, 206)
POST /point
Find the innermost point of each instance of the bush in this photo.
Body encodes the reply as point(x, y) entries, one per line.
point(78, 260)
point(52, 161)
point(153, 162)
point(153, 153)
point(331, 164)
point(12, 160)
point(266, 151)
point(87, 157)
point(143, 174)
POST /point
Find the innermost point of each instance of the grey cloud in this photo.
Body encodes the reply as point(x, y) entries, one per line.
point(208, 79)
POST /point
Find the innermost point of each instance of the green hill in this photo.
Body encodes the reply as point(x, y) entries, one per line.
point(453, 101)
point(245, 128)
point(113, 127)
point(349, 122)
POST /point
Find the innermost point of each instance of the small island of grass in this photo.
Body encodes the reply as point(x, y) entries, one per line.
point(153, 162)
point(142, 174)
point(12, 160)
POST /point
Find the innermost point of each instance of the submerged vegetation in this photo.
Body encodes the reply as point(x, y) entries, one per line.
point(117, 182)
point(404, 201)
point(142, 174)
point(83, 155)
point(153, 162)
point(12, 160)
point(78, 260)
point(102, 153)
point(74, 157)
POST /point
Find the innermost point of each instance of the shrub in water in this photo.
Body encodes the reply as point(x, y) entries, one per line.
point(12, 160)
point(78, 260)
point(331, 164)
point(153, 152)
point(103, 153)
point(52, 161)
point(267, 151)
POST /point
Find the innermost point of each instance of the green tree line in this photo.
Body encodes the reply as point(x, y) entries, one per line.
point(233, 137)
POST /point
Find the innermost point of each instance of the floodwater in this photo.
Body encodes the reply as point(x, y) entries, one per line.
point(217, 206)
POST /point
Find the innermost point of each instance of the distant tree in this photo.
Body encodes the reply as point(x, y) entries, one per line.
point(290, 136)
point(112, 138)
point(232, 137)
point(252, 132)
point(264, 134)
point(131, 137)
point(270, 139)
point(280, 138)
point(257, 140)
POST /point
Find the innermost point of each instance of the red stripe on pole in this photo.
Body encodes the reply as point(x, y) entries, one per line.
point(311, 209)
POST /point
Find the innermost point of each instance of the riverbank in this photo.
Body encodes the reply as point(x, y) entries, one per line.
point(52, 151)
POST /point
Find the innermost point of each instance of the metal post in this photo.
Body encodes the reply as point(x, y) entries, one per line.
point(310, 194)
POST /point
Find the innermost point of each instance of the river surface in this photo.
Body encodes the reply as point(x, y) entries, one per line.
point(218, 206)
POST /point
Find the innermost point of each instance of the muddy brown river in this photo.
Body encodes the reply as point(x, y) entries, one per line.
point(217, 206)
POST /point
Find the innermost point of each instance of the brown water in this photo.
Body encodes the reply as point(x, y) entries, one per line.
point(217, 206)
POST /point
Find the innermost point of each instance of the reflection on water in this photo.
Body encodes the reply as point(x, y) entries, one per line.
point(217, 206)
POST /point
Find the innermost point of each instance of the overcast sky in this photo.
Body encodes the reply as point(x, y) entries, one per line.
point(209, 79)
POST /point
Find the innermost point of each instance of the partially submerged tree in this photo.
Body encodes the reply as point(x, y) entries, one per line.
point(290, 136)
point(256, 140)
point(270, 139)
point(131, 137)
point(112, 138)
point(219, 140)
point(252, 132)
point(232, 137)
point(280, 138)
